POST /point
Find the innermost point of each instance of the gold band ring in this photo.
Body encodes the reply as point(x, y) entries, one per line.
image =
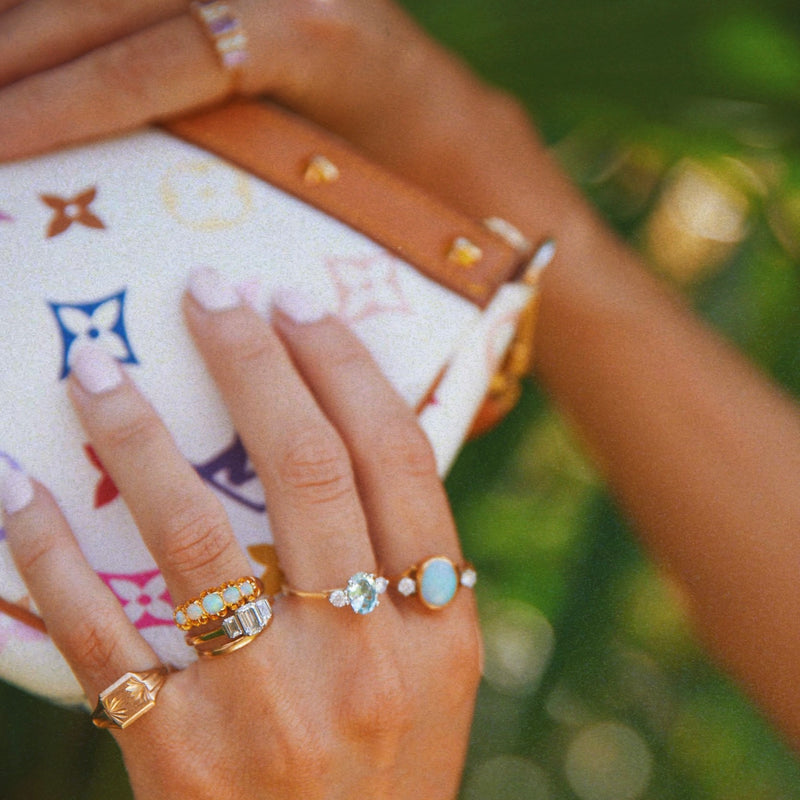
point(217, 603)
point(362, 593)
point(128, 698)
point(436, 580)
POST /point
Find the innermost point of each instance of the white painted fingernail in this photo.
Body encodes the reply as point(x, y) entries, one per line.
point(16, 490)
point(97, 370)
point(299, 306)
point(212, 291)
point(543, 257)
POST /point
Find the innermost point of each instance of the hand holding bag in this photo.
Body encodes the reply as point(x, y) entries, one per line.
point(96, 244)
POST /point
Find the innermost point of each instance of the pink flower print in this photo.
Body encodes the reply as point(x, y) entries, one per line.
point(143, 595)
point(367, 286)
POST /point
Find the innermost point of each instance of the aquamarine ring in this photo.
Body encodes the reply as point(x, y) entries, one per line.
point(362, 593)
point(435, 581)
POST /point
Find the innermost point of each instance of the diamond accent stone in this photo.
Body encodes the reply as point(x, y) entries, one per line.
point(232, 628)
point(254, 616)
point(339, 598)
point(469, 578)
point(381, 584)
point(406, 586)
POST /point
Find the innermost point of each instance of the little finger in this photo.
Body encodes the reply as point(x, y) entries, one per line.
point(82, 616)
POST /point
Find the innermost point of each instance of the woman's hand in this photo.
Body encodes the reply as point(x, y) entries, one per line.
point(324, 703)
point(76, 70)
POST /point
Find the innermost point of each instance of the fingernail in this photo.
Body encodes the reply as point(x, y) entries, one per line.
point(299, 306)
point(212, 291)
point(543, 256)
point(16, 490)
point(97, 370)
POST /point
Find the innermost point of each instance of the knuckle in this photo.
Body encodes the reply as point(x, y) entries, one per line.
point(402, 447)
point(90, 642)
point(195, 536)
point(246, 344)
point(379, 710)
point(137, 429)
point(316, 465)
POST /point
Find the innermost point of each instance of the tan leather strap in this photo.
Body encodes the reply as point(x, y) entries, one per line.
point(315, 166)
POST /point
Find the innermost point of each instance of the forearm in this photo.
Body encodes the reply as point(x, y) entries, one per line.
point(700, 449)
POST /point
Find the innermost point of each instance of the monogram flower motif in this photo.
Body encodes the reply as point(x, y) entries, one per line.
point(101, 323)
point(70, 210)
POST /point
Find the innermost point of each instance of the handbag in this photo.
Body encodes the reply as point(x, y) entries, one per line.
point(96, 244)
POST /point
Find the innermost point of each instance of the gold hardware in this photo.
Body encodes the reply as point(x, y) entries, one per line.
point(321, 170)
point(464, 253)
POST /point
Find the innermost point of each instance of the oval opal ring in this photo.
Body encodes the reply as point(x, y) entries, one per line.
point(436, 580)
point(362, 593)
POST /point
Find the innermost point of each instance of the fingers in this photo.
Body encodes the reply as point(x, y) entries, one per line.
point(82, 616)
point(160, 70)
point(82, 73)
point(181, 522)
point(317, 521)
point(408, 512)
point(39, 34)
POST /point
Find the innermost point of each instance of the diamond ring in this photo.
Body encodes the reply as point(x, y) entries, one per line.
point(233, 632)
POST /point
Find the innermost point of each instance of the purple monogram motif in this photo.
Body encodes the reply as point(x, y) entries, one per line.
point(231, 473)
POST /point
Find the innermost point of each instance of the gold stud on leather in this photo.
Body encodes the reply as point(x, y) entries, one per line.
point(464, 253)
point(321, 170)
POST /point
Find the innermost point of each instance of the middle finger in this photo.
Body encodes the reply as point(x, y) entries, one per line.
point(317, 520)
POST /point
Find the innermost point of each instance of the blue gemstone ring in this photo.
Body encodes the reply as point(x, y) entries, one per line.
point(217, 603)
point(435, 581)
point(362, 593)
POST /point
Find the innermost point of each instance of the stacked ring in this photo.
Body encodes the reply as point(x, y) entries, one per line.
point(128, 698)
point(234, 632)
point(217, 603)
point(362, 593)
point(435, 581)
point(225, 32)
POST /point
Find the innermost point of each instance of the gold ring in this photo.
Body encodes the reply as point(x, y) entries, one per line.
point(127, 699)
point(233, 632)
point(225, 32)
point(217, 603)
point(436, 580)
point(362, 593)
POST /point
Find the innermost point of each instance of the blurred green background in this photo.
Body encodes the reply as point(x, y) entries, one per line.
point(679, 118)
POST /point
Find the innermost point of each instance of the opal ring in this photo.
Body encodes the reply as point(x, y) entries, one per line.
point(217, 603)
point(225, 32)
point(234, 632)
point(128, 698)
point(362, 593)
point(435, 581)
